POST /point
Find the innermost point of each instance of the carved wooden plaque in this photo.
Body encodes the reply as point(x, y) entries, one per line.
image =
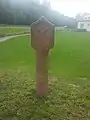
point(42, 35)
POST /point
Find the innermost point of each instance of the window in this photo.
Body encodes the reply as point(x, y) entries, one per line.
point(88, 25)
point(88, 18)
point(81, 25)
point(85, 18)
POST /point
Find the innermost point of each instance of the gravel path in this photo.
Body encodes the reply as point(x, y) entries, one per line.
point(2, 39)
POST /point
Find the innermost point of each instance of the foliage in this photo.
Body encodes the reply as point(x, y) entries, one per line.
point(81, 30)
point(25, 13)
point(69, 99)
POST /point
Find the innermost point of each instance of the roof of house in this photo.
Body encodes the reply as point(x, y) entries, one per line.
point(81, 17)
point(83, 20)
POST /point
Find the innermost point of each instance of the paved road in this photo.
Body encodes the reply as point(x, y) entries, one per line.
point(2, 39)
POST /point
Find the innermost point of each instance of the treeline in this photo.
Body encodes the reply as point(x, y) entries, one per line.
point(19, 12)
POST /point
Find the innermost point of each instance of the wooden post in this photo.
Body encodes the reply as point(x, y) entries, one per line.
point(42, 40)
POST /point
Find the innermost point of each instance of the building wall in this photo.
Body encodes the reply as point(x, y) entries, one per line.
point(83, 25)
point(87, 17)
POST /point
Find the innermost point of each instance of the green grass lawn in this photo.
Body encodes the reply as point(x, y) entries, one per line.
point(69, 79)
point(4, 31)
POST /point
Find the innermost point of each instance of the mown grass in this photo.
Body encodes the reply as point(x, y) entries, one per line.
point(68, 100)
point(69, 79)
point(69, 57)
point(5, 31)
point(71, 54)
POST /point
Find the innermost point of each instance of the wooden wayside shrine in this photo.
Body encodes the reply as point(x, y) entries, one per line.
point(42, 40)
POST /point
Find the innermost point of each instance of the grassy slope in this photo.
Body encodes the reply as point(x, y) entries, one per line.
point(71, 54)
point(69, 98)
point(4, 31)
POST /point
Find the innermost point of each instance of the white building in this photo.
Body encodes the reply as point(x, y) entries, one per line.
point(84, 22)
